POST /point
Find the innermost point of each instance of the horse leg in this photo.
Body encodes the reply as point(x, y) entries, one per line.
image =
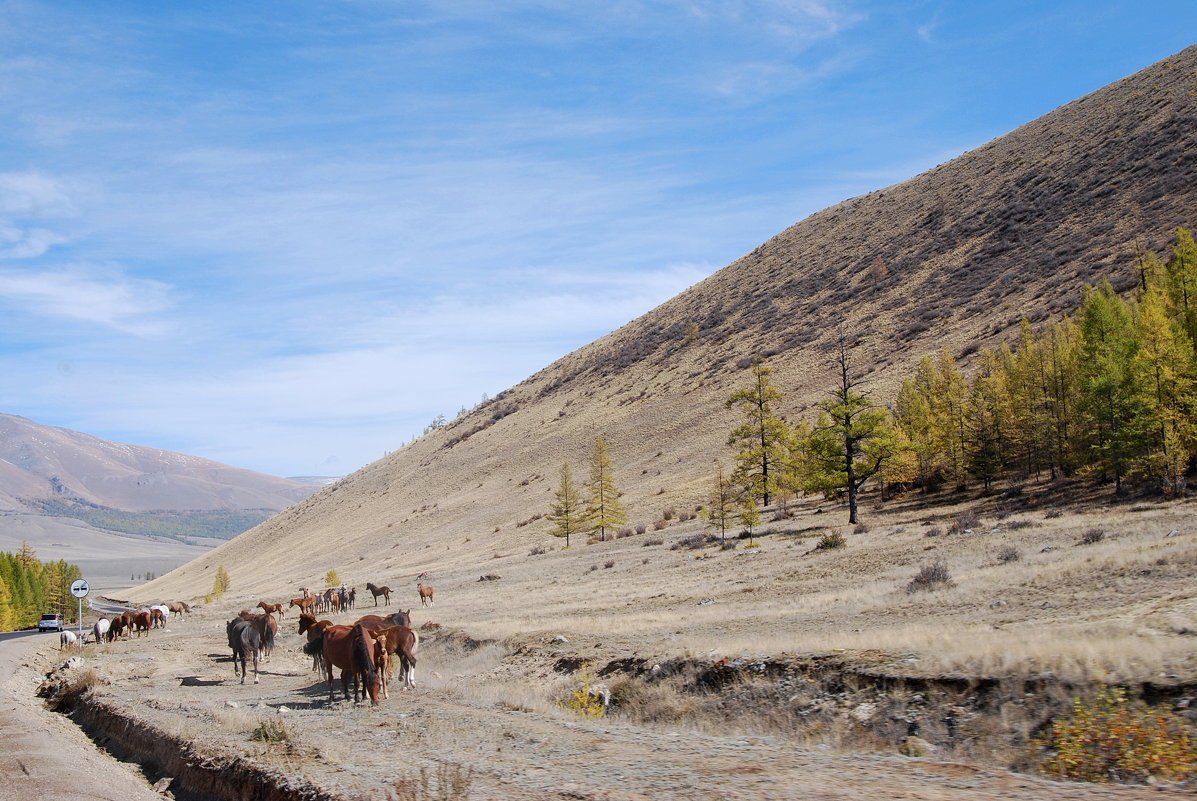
point(255, 655)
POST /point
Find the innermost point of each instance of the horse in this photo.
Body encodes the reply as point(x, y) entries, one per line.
point(401, 641)
point(157, 617)
point(305, 604)
point(352, 597)
point(308, 624)
point(121, 624)
point(385, 592)
point(67, 639)
point(142, 622)
point(100, 629)
point(267, 627)
point(268, 608)
point(350, 649)
point(333, 598)
point(178, 608)
point(245, 639)
point(425, 594)
point(400, 618)
point(382, 662)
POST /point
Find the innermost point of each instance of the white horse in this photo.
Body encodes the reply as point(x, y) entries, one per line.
point(100, 629)
point(67, 639)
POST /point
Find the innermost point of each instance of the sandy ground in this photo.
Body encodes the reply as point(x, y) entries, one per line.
point(459, 720)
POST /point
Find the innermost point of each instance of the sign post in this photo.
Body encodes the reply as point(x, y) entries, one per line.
point(80, 588)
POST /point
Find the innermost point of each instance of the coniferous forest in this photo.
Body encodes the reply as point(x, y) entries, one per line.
point(30, 588)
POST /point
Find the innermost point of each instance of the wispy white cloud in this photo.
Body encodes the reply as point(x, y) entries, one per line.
point(90, 294)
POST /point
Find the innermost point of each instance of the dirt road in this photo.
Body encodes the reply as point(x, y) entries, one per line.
point(45, 756)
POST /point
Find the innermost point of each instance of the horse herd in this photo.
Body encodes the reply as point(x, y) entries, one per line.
point(127, 623)
point(364, 651)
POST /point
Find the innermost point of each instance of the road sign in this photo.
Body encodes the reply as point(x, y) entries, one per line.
point(80, 588)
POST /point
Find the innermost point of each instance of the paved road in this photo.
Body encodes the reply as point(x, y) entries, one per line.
point(44, 756)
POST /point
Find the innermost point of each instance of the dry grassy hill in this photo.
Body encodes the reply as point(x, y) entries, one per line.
point(950, 259)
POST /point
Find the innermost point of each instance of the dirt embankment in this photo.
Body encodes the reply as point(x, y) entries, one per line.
point(481, 725)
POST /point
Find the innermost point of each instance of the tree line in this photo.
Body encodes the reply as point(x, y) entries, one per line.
point(30, 588)
point(1109, 394)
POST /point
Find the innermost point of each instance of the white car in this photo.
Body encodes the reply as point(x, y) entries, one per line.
point(50, 622)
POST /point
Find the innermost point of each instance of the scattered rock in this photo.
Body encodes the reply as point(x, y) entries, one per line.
point(489, 577)
point(913, 746)
point(232, 704)
point(997, 603)
point(864, 712)
point(1048, 548)
point(560, 638)
point(706, 601)
point(1174, 532)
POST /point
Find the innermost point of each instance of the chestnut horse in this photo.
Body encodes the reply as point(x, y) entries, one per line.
point(425, 594)
point(305, 604)
point(385, 592)
point(351, 649)
point(271, 608)
point(142, 622)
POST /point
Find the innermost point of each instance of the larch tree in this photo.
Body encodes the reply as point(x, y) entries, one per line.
point(749, 515)
point(567, 513)
point(1111, 395)
point(761, 438)
point(604, 512)
point(852, 438)
point(722, 503)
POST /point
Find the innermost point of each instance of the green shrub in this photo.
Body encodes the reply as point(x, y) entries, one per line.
point(830, 541)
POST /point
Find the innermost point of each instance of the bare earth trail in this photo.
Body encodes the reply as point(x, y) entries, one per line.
point(181, 681)
point(44, 756)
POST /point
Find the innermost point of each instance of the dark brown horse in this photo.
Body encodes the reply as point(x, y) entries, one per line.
point(385, 592)
point(308, 624)
point(268, 608)
point(245, 640)
point(351, 649)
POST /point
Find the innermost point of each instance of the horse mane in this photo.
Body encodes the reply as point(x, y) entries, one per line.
point(315, 646)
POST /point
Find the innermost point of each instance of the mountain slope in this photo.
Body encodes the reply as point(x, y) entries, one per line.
point(950, 259)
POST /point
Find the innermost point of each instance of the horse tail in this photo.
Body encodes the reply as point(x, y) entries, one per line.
point(268, 636)
point(363, 660)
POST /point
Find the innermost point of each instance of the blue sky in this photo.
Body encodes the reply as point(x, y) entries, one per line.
point(287, 235)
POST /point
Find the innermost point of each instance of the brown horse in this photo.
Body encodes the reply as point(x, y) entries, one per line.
point(305, 604)
point(401, 641)
point(267, 627)
point(178, 608)
point(351, 649)
point(425, 594)
point(142, 622)
point(385, 592)
point(382, 661)
point(268, 608)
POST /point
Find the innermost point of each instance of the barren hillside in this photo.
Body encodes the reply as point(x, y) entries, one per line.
point(950, 259)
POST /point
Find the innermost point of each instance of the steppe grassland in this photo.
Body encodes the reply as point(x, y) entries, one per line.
point(1115, 609)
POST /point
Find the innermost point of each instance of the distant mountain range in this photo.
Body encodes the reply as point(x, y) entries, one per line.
point(58, 488)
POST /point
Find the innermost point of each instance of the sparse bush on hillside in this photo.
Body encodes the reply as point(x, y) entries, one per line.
point(861, 528)
point(930, 577)
point(538, 550)
point(660, 524)
point(653, 541)
point(965, 521)
point(694, 541)
point(1092, 536)
point(668, 514)
point(1109, 740)
point(831, 540)
point(1052, 514)
point(626, 531)
point(641, 528)
point(1009, 554)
